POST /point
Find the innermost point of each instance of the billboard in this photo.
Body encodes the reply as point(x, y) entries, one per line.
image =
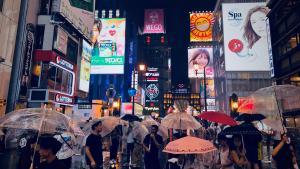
point(61, 41)
point(245, 37)
point(85, 67)
point(80, 13)
point(198, 58)
point(201, 26)
point(154, 21)
point(108, 46)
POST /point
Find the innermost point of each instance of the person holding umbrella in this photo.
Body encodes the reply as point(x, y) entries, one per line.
point(152, 144)
point(93, 147)
point(238, 153)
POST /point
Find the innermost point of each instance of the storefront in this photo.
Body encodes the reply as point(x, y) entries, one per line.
point(54, 79)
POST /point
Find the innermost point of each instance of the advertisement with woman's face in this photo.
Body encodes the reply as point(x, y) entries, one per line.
point(198, 59)
point(245, 37)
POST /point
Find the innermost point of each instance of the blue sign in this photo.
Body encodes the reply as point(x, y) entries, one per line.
point(132, 92)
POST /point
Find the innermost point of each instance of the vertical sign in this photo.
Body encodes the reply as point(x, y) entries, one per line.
point(85, 67)
point(154, 21)
point(152, 90)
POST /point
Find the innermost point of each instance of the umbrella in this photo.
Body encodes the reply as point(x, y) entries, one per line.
point(242, 129)
point(182, 121)
point(109, 123)
point(130, 117)
point(149, 121)
point(189, 145)
point(250, 117)
point(42, 120)
point(218, 117)
point(139, 131)
point(272, 102)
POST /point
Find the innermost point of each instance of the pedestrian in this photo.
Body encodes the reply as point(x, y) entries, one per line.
point(238, 153)
point(152, 143)
point(66, 152)
point(225, 160)
point(49, 146)
point(130, 142)
point(26, 149)
point(93, 147)
point(284, 154)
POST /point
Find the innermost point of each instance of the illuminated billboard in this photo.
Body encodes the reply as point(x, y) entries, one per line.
point(245, 37)
point(80, 13)
point(85, 67)
point(108, 46)
point(154, 21)
point(198, 58)
point(201, 26)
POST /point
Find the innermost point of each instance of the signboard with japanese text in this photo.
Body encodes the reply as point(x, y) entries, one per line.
point(85, 67)
point(109, 46)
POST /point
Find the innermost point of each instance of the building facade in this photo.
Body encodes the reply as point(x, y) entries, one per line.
point(244, 77)
point(9, 16)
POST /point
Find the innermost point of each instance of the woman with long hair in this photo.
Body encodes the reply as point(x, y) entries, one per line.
point(255, 25)
point(238, 154)
point(200, 57)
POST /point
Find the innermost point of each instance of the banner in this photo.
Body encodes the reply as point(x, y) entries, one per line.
point(85, 67)
point(80, 13)
point(245, 37)
point(201, 27)
point(198, 58)
point(61, 41)
point(154, 21)
point(109, 46)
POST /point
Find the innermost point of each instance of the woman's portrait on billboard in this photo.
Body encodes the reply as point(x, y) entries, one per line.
point(200, 57)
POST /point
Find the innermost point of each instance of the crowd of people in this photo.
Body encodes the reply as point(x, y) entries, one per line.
point(233, 152)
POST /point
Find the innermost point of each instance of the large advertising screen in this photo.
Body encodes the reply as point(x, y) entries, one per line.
point(245, 37)
point(78, 12)
point(154, 21)
point(198, 58)
point(201, 26)
point(108, 46)
point(85, 67)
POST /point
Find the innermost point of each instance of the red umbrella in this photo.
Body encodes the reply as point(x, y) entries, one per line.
point(218, 117)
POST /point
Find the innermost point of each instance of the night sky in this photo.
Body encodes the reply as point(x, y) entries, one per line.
point(176, 21)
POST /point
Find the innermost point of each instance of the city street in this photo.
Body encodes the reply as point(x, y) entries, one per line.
point(149, 84)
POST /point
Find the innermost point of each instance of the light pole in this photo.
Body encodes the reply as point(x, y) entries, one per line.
point(196, 68)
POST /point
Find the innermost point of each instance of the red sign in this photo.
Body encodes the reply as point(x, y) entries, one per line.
point(60, 98)
point(154, 21)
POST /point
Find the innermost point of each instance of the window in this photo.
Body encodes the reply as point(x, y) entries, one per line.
point(60, 79)
point(39, 37)
point(1, 5)
point(72, 50)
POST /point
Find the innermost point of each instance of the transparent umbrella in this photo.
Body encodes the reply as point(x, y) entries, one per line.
point(41, 120)
point(109, 123)
point(272, 102)
point(181, 121)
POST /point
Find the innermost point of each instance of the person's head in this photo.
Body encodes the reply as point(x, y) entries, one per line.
point(97, 127)
point(200, 57)
point(255, 25)
point(222, 140)
point(96, 31)
point(49, 146)
point(154, 129)
point(237, 140)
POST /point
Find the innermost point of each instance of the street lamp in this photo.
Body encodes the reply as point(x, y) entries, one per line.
point(196, 68)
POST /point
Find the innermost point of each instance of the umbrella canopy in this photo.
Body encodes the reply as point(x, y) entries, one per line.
point(42, 120)
point(139, 131)
point(189, 145)
point(149, 121)
point(272, 102)
point(250, 117)
point(109, 123)
point(182, 121)
point(130, 117)
point(218, 117)
point(242, 129)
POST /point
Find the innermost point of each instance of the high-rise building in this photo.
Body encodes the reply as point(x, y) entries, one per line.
point(9, 14)
point(241, 64)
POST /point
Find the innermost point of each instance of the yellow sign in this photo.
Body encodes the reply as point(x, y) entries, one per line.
point(201, 27)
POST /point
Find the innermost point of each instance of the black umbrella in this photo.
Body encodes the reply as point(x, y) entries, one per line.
point(250, 117)
point(242, 129)
point(130, 117)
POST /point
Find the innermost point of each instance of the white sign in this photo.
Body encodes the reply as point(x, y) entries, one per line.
point(64, 63)
point(245, 37)
point(85, 67)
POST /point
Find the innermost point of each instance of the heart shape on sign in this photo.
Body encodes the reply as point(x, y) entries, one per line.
point(112, 32)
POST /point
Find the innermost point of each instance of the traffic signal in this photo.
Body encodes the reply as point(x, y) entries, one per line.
point(2, 102)
point(234, 104)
